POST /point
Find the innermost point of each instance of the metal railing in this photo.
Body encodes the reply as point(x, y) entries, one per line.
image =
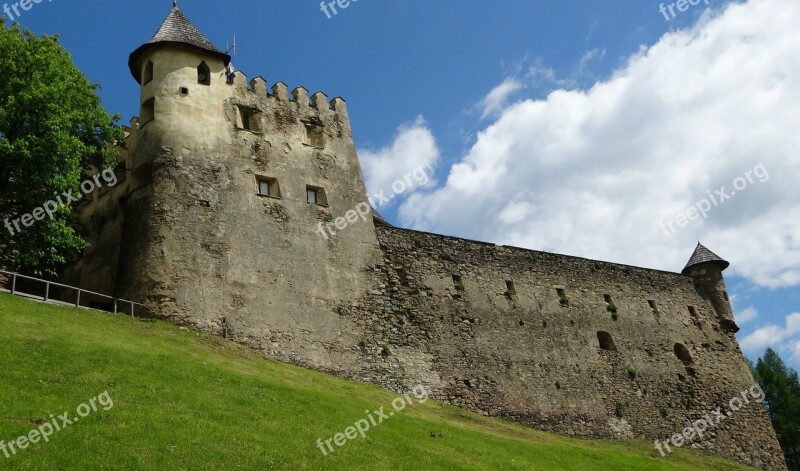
point(114, 306)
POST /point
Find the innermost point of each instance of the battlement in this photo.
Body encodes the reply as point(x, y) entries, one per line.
point(278, 95)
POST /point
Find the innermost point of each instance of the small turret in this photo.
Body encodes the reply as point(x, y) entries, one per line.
point(706, 268)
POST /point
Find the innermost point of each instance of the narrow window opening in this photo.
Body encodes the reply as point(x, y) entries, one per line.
point(563, 299)
point(203, 74)
point(316, 195)
point(510, 290)
point(607, 298)
point(693, 312)
point(458, 283)
point(148, 111)
point(268, 187)
point(652, 304)
point(683, 353)
point(148, 73)
point(249, 119)
point(606, 341)
point(725, 295)
point(184, 91)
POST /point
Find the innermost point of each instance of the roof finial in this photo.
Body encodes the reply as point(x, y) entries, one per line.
point(174, 3)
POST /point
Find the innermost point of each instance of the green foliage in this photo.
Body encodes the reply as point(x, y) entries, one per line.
point(385, 351)
point(611, 308)
point(459, 286)
point(53, 130)
point(619, 410)
point(614, 316)
point(663, 411)
point(782, 400)
point(564, 300)
point(632, 373)
point(184, 400)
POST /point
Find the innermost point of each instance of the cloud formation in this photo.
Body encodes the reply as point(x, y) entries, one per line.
point(592, 172)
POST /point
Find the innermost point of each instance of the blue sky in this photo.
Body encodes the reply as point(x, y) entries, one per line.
point(578, 127)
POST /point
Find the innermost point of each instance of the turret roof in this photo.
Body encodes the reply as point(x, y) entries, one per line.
point(703, 255)
point(177, 30)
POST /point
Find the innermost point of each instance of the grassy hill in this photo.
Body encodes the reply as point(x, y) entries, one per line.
point(182, 400)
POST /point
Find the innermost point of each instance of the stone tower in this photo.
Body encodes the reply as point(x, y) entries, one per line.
point(706, 268)
point(229, 186)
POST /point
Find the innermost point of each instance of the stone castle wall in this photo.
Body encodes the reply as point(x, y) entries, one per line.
point(518, 352)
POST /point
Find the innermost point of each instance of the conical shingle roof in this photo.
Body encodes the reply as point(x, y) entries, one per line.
point(179, 31)
point(703, 255)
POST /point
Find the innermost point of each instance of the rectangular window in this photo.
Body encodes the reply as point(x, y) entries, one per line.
point(693, 311)
point(652, 304)
point(249, 119)
point(268, 186)
point(316, 195)
point(607, 298)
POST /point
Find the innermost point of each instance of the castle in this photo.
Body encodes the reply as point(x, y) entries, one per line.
point(214, 223)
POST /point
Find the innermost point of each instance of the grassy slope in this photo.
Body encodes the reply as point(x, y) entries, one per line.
point(189, 401)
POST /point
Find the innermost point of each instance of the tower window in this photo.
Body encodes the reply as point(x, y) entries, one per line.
point(316, 195)
point(693, 311)
point(607, 299)
point(268, 187)
point(184, 91)
point(314, 135)
point(203, 74)
point(249, 119)
point(148, 73)
point(606, 341)
point(683, 353)
point(725, 295)
point(148, 111)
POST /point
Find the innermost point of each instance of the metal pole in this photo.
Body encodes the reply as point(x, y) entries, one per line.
point(47, 291)
point(13, 283)
point(78, 301)
point(115, 305)
point(132, 308)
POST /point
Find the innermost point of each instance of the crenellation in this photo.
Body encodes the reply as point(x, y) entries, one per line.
point(280, 91)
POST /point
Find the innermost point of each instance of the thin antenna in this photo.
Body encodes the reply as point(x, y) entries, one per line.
point(229, 48)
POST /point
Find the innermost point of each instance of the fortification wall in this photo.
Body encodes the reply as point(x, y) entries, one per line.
point(521, 353)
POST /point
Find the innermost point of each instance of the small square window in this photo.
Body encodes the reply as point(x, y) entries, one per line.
point(316, 195)
point(184, 91)
point(268, 187)
point(249, 119)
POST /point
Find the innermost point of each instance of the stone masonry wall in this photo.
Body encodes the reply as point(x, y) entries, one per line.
point(524, 355)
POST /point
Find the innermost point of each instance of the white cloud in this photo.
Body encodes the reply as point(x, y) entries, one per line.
point(497, 99)
point(771, 335)
point(414, 147)
point(746, 315)
point(593, 172)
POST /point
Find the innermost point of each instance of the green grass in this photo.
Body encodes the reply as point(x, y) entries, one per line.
point(187, 401)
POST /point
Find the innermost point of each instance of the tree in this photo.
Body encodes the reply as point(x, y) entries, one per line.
point(782, 400)
point(53, 131)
